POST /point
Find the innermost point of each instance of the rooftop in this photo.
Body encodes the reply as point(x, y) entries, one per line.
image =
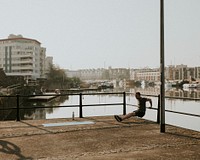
point(18, 37)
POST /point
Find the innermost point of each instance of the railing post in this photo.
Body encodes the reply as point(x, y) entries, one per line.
point(124, 103)
point(18, 116)
point(158, 111)
point(80, 106)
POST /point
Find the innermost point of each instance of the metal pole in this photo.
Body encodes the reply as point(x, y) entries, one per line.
point(80, 106)
point(124, 103)
point(162, 67)
point(158, 111)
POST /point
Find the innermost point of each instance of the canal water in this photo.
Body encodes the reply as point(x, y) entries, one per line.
point(173, 104)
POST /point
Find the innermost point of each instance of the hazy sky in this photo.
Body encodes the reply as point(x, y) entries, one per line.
point(101, 33)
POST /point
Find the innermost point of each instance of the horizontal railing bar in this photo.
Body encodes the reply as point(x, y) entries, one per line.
point(87, 105)
point(184, 98)
point(98, 93)
point(8, 96)
point(189, 114)
point(102, 104)
point(4, 109)
point(132, 105)
point(49, 107)
point(67, 94)
point(172, 97)
point(150, 95)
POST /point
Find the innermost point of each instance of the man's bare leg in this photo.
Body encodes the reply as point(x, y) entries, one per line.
point(128, 116)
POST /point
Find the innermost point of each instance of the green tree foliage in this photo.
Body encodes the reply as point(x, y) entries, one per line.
point(57, 78)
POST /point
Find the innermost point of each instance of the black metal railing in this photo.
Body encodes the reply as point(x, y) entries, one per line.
point(80, 105)
point(159, 107)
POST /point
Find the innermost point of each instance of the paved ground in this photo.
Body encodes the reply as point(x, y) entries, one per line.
point(106, 139)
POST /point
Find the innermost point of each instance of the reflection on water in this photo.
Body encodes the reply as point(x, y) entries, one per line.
point(26, 108)
point(170, 92)
point(40, 112)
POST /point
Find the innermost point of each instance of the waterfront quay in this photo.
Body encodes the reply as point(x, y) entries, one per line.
point(95, 138)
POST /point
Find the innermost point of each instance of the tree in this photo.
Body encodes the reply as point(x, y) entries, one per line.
point(57, 78)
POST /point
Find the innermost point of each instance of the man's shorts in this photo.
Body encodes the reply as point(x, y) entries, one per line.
point(139, 113)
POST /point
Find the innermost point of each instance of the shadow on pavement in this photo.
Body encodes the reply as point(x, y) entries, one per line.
point(10, 148)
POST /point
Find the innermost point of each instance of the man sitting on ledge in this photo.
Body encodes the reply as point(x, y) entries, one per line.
point(140, 112)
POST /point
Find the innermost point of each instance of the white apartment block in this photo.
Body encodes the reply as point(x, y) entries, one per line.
point(21, 56)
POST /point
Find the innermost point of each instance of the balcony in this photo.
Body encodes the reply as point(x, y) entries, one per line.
point(22, 67)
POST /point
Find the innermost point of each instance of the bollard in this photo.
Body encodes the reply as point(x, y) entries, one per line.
point(72, 115)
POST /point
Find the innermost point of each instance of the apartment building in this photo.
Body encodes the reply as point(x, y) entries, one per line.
point(145, 74)
point(119, 73)
point(178, 72)
point(172, 73)
point(21, 56)
point(91, 74)
point(100, 74)
point(182, 72)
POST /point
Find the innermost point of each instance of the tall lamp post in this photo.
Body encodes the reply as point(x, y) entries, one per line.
point(162, 68)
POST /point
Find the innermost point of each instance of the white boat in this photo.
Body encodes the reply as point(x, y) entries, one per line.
point(57, 91)
point(191, 85)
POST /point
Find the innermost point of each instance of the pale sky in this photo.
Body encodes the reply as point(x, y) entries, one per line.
point(85, 34)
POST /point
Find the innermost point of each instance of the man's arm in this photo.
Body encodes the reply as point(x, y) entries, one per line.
point(150, 102)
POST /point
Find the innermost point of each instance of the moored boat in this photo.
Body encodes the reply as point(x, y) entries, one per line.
point(105, 85)
point(191, 85)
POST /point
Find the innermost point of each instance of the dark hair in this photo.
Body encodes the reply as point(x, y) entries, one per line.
point(138, 93)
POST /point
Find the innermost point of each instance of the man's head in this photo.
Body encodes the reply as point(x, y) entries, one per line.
point(137, 95)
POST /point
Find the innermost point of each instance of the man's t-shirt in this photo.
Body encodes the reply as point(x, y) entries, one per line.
point(142, 104)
